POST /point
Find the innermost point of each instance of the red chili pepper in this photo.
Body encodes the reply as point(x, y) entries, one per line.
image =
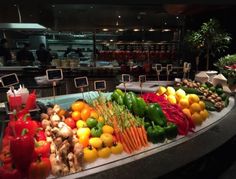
point(42, 148)
point(40, 169)
point(31, 101)
point(9, 173)
point(22, 150)
point(5, 156)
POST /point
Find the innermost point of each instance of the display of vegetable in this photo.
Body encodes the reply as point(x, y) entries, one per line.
point(183, 123)
point(6, 173)
point(156, 133)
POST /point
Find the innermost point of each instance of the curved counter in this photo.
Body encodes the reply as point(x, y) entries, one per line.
point(159, 159)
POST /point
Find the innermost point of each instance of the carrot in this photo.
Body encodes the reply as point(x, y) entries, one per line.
point(145, 135)
point(131, 137)
point(135, 136)
point(141, 136)
point(126, 141)
point(129, 140)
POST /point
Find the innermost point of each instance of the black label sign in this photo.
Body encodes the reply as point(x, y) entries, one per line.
point(9, 80)
point(54, 74)
point(142, 78)
point(125, 78)
point(81, 82)
point(100, 85)
point(169, 67)
point(158, 67)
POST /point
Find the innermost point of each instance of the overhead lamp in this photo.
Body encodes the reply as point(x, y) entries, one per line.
point(105, 30)
point(177, 17)
point(121, 30)
point(136, 30)
point(166, 30)
point(119, 16)
point(151, 30)
point(111, 40)
point(117, 23)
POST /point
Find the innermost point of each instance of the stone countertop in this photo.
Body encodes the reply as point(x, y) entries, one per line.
point(159, 159)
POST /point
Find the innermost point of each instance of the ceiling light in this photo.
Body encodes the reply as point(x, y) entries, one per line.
point(136, 30)
point(165, 23)
point(119, 17)
point(177, 17)
point(105, 30)
point(53, 5)
point(121, 30)
point(111, 40)
point(117, 23)
point(151, 30)
point(166, 30)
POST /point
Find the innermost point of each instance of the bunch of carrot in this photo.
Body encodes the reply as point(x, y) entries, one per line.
point(127, 130)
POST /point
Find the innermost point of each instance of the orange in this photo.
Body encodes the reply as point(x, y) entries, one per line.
point(61, 112)
point(78, 106)
point(195, 107)
point(197, 119)
point(202, 105)
point(94, 114)
point(193, 98)
point(204, 114)
point(85, 114)
point(76, 115)
point(84, 140)
point(187, 112)
point(183, 103)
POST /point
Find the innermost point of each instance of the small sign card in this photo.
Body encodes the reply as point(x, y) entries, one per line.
point(9, 80)
point(54, 74)
point(158, 67)
point(125, 78)
point(81, 82)
point(100, 85)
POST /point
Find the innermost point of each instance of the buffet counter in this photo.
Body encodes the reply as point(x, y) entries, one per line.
point(162, 158)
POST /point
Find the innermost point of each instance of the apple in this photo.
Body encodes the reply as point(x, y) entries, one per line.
point(107, 139)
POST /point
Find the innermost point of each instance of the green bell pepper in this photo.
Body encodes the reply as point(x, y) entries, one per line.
point(139, 107)
point(155, 114)
point(156, 134)
point(96, 131)
point(128, 101)
point(171, 130)
point(118, 96)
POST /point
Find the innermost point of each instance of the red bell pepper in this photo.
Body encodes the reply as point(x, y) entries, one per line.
point(40, 169)
point(24, 123)
point(42, 148)
point(9, 174)
point(22, 150)
point(40, 135)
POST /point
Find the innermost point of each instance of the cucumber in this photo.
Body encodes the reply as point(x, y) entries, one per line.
point(189, 90)
point(210, 106)
point(226, 101)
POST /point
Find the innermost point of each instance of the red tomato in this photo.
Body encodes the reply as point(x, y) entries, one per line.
point(70, 122)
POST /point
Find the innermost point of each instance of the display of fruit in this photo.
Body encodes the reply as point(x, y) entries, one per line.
point(90, 154)
point(214, 97)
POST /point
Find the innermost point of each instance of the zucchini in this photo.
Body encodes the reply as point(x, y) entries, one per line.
point(210, 106)
point(189, 90)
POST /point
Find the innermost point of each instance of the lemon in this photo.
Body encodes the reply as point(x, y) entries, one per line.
point(171, 99)
point(204, 114)
point(180, 94)
point(197, 119)
point(202, 105)
point(195, 107)
point(187, 112)
point(193, 98)
point(170, 91)
point(183, 103)
point(161, 90)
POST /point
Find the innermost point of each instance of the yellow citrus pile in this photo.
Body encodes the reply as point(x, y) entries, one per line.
point(190, 104)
